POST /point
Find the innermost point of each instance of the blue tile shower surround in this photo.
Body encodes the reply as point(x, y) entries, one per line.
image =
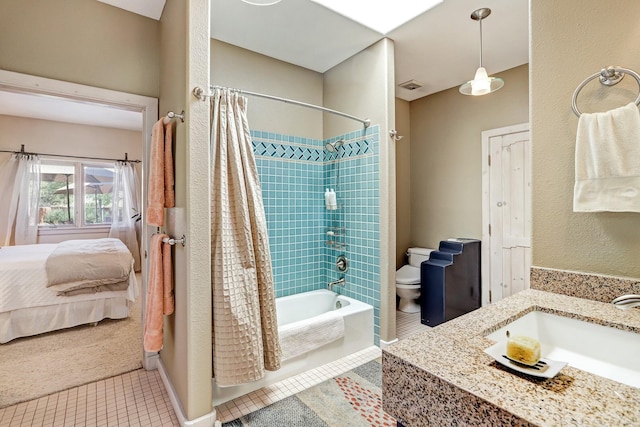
point(294, 172)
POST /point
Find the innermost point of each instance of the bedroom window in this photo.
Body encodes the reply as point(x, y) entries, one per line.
point(75, 194)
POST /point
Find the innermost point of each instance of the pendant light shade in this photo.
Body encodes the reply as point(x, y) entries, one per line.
point(481, 83)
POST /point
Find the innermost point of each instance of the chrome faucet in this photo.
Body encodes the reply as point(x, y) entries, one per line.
point(627, 301)
point(340, 282)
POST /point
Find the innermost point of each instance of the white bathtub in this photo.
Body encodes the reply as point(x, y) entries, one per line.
point(358, 335)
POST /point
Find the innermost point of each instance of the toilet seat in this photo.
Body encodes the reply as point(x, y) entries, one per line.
point(408, 276)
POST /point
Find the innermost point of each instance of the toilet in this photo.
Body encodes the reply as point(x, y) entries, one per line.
point(408, 280)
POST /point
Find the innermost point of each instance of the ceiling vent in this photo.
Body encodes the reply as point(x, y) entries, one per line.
point(411, 85)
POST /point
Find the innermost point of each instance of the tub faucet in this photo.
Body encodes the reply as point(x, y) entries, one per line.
point(340, 282)
point(627, 301)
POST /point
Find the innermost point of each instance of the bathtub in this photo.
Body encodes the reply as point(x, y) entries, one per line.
point(358, 335)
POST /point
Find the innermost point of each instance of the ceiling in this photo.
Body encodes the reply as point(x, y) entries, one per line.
point(44, 107)
point(439, 48)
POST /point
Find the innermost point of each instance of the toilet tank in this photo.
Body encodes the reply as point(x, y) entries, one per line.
point(418, 255)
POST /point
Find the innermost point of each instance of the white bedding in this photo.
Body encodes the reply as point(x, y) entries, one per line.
point(23, 280)
point(28, 307)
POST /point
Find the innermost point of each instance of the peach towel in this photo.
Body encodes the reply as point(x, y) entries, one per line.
point(160, 298)
point(161, 181)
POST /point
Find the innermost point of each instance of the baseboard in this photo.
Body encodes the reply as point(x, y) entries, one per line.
point(384, 344)
point(207, 420)
point(150, 361)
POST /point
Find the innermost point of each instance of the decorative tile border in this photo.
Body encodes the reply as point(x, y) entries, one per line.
point(285, 150)
point(289, 152)
point(582, 285)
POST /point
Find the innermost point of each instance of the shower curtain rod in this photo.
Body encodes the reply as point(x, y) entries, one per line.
point(126, 155)
point(199, 93)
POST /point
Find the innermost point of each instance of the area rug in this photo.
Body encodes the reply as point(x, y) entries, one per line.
point(352, 399)
point(33, 367)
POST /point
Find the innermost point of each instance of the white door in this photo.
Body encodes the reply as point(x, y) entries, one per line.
point(506, 212)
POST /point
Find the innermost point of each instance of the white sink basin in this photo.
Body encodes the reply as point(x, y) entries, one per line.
point(609, 352)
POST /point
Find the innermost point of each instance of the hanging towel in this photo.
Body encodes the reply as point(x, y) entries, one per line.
point(160, 299)
point(607, 163)
point(161, 181)
point(306, 335)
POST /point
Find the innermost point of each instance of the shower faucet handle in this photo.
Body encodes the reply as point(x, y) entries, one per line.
point(342, 264)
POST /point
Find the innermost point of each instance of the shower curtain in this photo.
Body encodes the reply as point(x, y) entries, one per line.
point(19, 203)
point(245, 330)
point(126, 206)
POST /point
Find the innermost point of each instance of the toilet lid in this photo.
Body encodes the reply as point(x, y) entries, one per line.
point(408, 275)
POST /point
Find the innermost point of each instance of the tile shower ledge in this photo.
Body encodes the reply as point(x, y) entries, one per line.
point(443, 377)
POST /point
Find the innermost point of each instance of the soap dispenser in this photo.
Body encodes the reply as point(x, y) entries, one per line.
point(333, 203)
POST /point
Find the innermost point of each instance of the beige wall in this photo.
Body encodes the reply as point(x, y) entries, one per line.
point(363, 86)
point(81, 41)
point(185, 64)
point(44, 136)
point(446, 151)
point(403, 181)
point(571, 40)
point(239, 68)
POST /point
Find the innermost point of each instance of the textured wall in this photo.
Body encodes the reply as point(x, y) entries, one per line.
point(187, 353)
point(81, 41)
point(446, 156)
point(403, 182)
point(571, 40)
point(242, 69)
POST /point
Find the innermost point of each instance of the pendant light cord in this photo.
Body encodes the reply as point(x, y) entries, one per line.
point(480, 20)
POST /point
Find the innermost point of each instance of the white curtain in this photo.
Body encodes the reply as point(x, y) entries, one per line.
point(19, 200)
point(245, 329)
point(126, 206)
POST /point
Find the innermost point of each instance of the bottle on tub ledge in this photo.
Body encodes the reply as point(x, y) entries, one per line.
point(330, 200)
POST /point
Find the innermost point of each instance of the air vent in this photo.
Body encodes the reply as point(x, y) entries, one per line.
point(411, 84)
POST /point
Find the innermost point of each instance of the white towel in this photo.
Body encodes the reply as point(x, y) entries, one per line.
point(306, 335)
point(608, 161)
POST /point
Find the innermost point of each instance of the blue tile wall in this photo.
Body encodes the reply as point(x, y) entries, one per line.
point(294, 172)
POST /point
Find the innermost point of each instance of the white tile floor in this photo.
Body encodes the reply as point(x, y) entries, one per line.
point(408, 324)
point(139, 399)
point(133, 399)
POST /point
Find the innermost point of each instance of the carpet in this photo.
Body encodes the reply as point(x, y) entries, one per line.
point(33, 367)
point(352, 399)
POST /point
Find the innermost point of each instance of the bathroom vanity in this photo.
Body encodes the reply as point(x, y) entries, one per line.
point(444, 377)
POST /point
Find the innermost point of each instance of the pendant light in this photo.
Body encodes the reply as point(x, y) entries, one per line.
point(481, 83)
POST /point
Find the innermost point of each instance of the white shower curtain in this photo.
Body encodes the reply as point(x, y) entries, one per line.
point(19, 200)
point(245, 330)
point(126, 204)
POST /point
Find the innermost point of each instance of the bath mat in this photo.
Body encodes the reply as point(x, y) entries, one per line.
point(352, 399)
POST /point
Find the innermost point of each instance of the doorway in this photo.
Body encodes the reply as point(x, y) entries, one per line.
point(506, 212)
point(78, 100)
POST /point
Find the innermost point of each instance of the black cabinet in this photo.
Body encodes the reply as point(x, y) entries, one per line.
point(450, 281)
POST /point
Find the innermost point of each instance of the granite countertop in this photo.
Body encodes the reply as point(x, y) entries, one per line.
point(443, 377)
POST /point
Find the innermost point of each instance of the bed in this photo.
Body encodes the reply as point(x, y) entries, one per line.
point(47, 287)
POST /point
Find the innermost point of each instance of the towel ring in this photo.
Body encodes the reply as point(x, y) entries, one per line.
point(609, 76)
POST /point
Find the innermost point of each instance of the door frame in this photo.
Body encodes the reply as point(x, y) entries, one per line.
point(486, 208)
point(26, 83)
